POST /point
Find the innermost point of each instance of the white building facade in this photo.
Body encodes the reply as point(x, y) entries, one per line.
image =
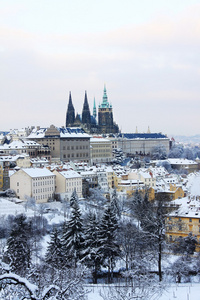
point(33, 182)
point(67, 182)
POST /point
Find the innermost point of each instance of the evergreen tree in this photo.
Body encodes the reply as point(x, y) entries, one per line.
point(18, 246)
point(109, 248)
point(73, 236)
point(91, 254)
point(136, 204)
point(186, 245)
point(54, 251)
point(73, 198)
point(115, 204)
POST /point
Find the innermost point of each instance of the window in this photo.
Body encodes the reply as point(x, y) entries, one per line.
point(17, 183)
point(190, 220)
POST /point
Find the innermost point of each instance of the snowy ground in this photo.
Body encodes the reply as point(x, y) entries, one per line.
point(190, 291)
point(8, 206)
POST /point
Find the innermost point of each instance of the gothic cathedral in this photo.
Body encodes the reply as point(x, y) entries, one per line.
point(89, 122)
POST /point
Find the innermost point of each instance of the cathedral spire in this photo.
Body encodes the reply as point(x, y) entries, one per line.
point(86, 118)
point(105, 102)
point(70, 116)
point(94, 110)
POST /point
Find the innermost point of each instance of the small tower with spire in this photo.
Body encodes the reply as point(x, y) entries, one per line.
point(94, 110)
point(70, 116)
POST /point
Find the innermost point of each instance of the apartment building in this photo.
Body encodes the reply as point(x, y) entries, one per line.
point(33, 182)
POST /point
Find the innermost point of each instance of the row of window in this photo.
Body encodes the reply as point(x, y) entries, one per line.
point(72, 155)
point(78, 189)
point(40, 183)
point(190, 219)
point(40, 197)
point(76, 183)
point(73, 147)
point(42, 178)
point(102, 150)
point(49, 189)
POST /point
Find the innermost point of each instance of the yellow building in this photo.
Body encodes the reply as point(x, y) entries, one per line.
point(184, 219)
point(110, 177)
point(170, 194)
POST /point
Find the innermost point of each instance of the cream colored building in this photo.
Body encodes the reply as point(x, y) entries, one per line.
point(142, 143)
point(23, 161)
point(67, 182)
point(101, 150)
point(144, 177)
point(33, 182)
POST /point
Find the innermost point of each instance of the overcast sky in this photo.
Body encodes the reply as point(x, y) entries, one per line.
point(147, 52)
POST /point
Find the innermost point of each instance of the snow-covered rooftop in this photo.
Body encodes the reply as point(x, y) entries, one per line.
point(62, 133)
point(38, 172)
point(70, 174)
point(181, 161)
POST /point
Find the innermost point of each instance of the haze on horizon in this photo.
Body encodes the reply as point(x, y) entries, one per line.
point(146, 52)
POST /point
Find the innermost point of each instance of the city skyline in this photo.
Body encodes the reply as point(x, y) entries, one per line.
point(146, 54)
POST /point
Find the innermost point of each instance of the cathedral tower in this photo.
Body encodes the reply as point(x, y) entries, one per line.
point(105, 116)
point(70, 116)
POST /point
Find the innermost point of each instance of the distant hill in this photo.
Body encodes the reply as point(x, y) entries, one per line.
point(194, 139)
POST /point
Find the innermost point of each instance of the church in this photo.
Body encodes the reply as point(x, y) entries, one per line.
point(88, 122)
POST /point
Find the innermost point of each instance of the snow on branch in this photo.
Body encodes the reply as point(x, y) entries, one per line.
point(32, 288)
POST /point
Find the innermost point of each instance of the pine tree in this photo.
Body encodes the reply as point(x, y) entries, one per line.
point(109, 247)
point(91, 254)
point(73, 198)
point(18, 246)
point(73, 236)
point(54, 251)
point(115, 204)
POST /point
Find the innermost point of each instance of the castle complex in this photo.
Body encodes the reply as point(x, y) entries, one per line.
point(89, 122)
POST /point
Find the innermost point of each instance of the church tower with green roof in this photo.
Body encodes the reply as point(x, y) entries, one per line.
point(105, 116)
